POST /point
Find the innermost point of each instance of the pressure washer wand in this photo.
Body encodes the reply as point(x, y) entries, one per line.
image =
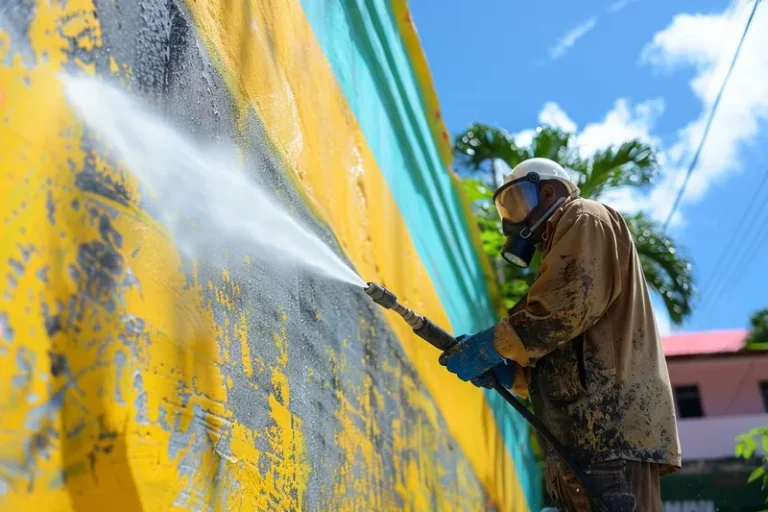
point(423, 327)
point(440, 339)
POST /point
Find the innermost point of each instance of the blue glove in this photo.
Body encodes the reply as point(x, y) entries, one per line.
point(472, 355)
point(503, 373)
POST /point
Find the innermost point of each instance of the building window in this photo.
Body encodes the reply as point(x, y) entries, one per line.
point(688, 401)
point(764, 392)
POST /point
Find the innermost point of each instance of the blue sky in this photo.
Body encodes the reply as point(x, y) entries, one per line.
point(612, 70)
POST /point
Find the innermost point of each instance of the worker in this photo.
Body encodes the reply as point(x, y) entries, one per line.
point(583, 343)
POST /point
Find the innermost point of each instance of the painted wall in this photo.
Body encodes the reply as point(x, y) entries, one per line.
point(135, 379)
point(712, 438)
point(728, 386)
point(730, 398)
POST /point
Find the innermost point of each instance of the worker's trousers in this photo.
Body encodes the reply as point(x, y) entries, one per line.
point(625, 486)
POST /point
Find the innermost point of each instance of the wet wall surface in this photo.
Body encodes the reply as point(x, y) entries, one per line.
point(134, 379)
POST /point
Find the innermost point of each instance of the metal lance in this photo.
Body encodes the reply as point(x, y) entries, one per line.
point(441, 340)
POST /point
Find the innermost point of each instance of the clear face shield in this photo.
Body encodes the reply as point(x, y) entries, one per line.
point(517, 199)
point(515, 202)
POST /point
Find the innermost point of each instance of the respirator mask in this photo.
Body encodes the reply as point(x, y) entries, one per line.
point(516, 202)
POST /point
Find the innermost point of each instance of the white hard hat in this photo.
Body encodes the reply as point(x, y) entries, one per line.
point(519, 195)
point(546, 169)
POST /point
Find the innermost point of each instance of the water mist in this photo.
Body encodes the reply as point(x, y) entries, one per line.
point(203, 195)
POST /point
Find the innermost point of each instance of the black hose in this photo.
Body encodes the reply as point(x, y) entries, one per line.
point(539, 427)
point(441, 340)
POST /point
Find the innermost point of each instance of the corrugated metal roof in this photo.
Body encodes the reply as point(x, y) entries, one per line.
point(706, 342)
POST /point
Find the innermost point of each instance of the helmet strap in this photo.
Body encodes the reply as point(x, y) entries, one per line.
point(545, 217)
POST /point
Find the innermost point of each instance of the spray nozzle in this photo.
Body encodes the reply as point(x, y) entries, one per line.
point(381, 295)
point(423, 327)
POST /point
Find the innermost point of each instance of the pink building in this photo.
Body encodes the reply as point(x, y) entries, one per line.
point(720, 392)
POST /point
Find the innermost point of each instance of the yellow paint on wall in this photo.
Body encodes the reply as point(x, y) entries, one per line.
point(359, 479)
point(420, 66)
point(123, 406)
point(315, 131)
point(285, 439)
point(362, 481)
point(245, 349)
point(157, 433)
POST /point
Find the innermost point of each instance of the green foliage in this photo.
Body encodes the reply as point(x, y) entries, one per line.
point(746, 444)
point(480, 144)
point(514, 282)
point(758, 334)
point(631, 164)
point(746, 447)
point(665, 271)
point(476, 148)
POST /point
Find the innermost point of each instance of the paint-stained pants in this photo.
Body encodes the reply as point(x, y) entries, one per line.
point(626, 486)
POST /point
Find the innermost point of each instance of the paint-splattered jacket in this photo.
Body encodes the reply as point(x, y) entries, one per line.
point(588, 344)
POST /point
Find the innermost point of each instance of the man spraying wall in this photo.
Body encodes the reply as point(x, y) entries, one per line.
point(583, 343)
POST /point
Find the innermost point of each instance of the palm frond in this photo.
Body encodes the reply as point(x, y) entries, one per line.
point(553, 143)
point(478, 145)
point(666, 271)
point(631, 164)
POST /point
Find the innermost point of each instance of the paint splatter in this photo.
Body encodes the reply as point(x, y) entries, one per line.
point(6, 331)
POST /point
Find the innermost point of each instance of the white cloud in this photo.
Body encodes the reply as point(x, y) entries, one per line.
point(620, 5)
point(620, 124)
point(707, 43)
point(689, 41)
point(624, 122)
point(553, 115)
point(570, 38)
point(524, 138)
point(550, 114)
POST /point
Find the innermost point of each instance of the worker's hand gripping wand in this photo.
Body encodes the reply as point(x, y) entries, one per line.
point(441, 340)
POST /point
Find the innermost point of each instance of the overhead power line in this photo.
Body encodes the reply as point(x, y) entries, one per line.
point(761, 237)
point(745, 220)
point(740, 269)
point(752, 227)
point(736, 269)
point(708, 124)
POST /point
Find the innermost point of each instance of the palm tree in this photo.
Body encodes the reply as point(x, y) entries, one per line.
point(632, 164)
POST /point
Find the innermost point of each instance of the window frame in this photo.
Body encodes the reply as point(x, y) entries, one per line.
point(689, 392)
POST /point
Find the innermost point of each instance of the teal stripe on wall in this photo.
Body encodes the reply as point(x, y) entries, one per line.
point(363, 46)
point(362, 43)
point(515, 432)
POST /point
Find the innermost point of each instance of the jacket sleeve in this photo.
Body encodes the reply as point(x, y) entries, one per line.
point(579, 280)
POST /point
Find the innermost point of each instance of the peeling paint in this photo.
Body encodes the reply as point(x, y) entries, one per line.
point(148, 382)
point(120, 361)
point(140, 403)
point(51, 208)
point(6, 331)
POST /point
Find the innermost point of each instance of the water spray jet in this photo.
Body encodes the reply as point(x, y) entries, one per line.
point(235, 211)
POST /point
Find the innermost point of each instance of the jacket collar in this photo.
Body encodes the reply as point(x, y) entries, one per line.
point(553, 221)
